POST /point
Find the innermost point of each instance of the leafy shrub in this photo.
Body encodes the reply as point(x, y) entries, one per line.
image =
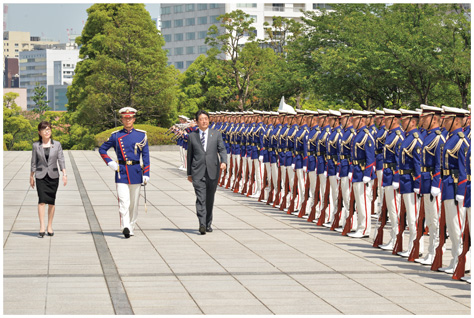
point(156, 135)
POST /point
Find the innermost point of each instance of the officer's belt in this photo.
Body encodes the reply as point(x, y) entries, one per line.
point(407, 171)
point(361, 163)
point(129, 162)
point(252, 144)
point(427, 169)
point(311, 153)
point(297, 152)
point(389, 165)
point(331, 157)
point(270, 149)
point(378, 152)
point(320, 153)
point(453, 172)
point(345, 157)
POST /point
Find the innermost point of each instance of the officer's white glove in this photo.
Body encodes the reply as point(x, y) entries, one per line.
point(460, 198)
point(366, 179)
point(145, 179)
point(113, 165)
point(305, 169)
point(337, 176)
point(435, 191)
point(325, 174)
point(260, 158)
point(293, 166)
point(395, 185)
point(350, 175)
point(417, 190)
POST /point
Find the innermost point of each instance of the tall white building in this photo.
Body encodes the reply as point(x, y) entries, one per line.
point(185, 25)
point(53, 69)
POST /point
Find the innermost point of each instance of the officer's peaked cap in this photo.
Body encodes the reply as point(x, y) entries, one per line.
point(127, 111)
point(391, 112)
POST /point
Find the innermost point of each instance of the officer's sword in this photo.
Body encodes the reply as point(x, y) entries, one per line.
point(144, 193)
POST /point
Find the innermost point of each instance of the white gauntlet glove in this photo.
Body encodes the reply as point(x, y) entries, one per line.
point(395, 185)
point(145, 180)
point(113, 165)
point(435, 191)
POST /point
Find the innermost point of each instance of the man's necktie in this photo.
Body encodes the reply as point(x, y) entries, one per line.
point(203, 140)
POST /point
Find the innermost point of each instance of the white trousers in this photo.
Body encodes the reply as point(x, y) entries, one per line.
point(312, 187)
point(227, 171)
point(244, 172)
point(455, 219)
point(291, 181)
point(379, 200)
point(432, 215)
point(322, 190)
point(128, 195)
point(181, 155)
point(346, 198)
point(363, 206)
point(332, 198)
point(268, 169)
point(235, 167)
point(392, 199)
point(185, 152)
point(257, 185)
point(283, 180)
point(412, 207)
point(274, 168)
point(301, 175)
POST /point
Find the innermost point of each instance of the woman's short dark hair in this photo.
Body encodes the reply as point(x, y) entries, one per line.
point(199, 113)
point(43, 125)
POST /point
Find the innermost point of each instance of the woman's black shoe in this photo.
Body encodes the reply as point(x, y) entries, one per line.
point(50, 234)
point(41, 234)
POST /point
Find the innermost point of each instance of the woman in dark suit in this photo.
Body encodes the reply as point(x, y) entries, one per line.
point(47, 153)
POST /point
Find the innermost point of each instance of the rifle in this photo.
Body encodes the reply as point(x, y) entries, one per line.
point(415, 251)
point(401, 228)
point(348, 224)
point(306, 196)
point(322, 217)
point(277, 195)
point(287, 189)
point(265, 184)
point(252, 178)
point(374, 196)
point(238, 177)
point(291, 208)
point(461, 267)
point(337, 217)
point(438, 260)
point(383, 220)
point(312, 215)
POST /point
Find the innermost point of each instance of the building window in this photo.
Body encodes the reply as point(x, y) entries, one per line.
point(178, 9)
point(167, 37)
point(202, 34)
point(190, 35)
point(16, 44)
point(190, 50)
point(190, 21)
point(188, 63)
point(179, 65)
point(178, 51)
point(189, 7)
point(202, 6)
point(319, 6)
point(202, 20)
point(165, 10)
point(178, 37)
point(166, 24)
point(213, 5)
point(202, 49)
point(246, 5)
point(178, 23)
point(214, 19)
point(254, 17)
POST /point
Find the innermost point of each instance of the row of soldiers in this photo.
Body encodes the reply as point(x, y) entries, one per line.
point(342, 168)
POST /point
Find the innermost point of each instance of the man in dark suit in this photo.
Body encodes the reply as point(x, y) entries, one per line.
point(205, 146)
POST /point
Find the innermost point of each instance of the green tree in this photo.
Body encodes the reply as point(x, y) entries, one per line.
point(17, 131)
point(123, 65)
point(39, 97)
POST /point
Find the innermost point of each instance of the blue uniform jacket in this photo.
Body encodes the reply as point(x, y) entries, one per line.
point(257, 137)
point(464, 175)
point(332, 150)
point(345, 151)
point(409, 159)
point(321, 149)
point(312, 145)
point(431, 160)
point(273, 143)
point(283, 145)
point(390, 156)
point(291, 144)
point(363, 155)
point(453, 153)
point(265, 142)
point(379, 145)
point(128, 146)
point(301, 146)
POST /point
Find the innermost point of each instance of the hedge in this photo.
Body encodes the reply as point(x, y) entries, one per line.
point(156, 135)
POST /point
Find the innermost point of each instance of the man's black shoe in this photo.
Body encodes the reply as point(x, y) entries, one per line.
point(209, 229)
point(202, 229)
point(126, 232)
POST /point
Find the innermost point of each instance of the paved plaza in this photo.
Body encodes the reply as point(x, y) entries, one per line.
point(258, 260)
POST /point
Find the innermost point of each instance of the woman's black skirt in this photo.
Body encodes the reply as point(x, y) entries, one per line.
point(47, 189)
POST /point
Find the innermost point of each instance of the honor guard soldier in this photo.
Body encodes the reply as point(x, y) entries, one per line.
point(379, 145)
point(180, 142)
point(453, 151)
point(312, 160)
point(321, 158)
point(289, 162)
point(273, 152)
point(266, 154)
point(129, 144)
point(363, 172)
point(226, 130)
point(348, 133)
point(390, 173)
point(409, 170)
point(256, 143)
point(244, 151)
point(465, 177)
point(283, 148)
point(332, 154)
point(236, 140)
point(300, 157)
point(430, 180)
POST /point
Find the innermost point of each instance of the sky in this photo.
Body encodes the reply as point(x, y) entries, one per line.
point(51, 20)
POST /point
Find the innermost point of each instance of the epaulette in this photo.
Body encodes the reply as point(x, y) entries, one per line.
point(327, 129)
point(353, 130)
point(398, 132)
point(461, 134)
point(140, 130)
point(415, 134)
point(366, 131)
point(113, 132)
point(438, 132)
point(339, 130)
